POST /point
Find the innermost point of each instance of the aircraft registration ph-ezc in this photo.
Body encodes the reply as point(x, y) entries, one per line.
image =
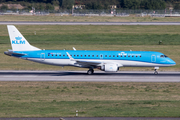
point(108, 61)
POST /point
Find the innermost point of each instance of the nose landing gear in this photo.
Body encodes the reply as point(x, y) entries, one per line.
point(155, 70)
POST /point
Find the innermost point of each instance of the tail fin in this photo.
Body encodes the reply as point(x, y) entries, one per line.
point(18, 42)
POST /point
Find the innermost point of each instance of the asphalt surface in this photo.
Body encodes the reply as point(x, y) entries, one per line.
point(91, 118)
point(88, 23)
point(98, 76)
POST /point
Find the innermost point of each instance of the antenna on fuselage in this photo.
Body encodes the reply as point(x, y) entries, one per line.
point(74, 48)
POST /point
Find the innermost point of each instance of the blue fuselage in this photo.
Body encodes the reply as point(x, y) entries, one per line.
point(133, 58)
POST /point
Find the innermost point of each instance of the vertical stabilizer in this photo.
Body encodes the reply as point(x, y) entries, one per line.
point(18, 42)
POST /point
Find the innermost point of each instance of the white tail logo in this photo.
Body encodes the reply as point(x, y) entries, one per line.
point(18, 42)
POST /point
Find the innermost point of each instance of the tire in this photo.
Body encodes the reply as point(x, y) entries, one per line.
point(155, 72)
point(90, 72)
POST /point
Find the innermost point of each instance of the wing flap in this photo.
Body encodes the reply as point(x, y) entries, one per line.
point(93, 63)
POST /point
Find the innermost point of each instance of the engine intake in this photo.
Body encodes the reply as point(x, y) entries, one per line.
point(109, 68)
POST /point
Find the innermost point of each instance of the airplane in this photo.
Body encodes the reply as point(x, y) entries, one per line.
point(108, 61)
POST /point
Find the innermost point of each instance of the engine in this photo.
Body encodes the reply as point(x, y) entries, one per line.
point(109, 68)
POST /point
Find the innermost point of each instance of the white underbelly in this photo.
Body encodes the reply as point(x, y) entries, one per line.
point(121, 63)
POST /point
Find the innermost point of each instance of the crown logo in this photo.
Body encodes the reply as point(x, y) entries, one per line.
point(18, 38)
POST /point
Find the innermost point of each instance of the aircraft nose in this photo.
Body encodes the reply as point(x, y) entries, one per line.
point(172, 62)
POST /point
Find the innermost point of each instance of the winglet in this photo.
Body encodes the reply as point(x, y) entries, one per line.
point(70, 57)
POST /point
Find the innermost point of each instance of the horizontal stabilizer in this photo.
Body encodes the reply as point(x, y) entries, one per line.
point(10, 53)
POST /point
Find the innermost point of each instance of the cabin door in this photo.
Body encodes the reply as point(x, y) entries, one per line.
point(153, 58)
point(42, 56)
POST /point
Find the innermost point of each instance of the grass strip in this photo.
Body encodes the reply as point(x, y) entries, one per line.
point(91, 99)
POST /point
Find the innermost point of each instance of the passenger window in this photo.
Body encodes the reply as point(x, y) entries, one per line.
point(85, 55)
point(133, 56)
point(52, 54)
point(109, 55)
point(121, 55)
point(81, 55)
point(77, 55)
point(93, 55)
point(125, 56)
point(63, 55)
point(136, 56)
point(105, 55)
point(139, 56)
point(129, 56)
point(56, 54)
point(117, 56)
point(96, 55)
point(59, 55)
point(88, 55)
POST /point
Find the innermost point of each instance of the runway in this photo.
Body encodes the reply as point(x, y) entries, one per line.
point(87, 23)
point(81, 76)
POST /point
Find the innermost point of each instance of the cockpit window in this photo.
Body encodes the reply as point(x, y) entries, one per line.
point(163, 56)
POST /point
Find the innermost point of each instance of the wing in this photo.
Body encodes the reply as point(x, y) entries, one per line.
point(90, 63)
point(84, 63)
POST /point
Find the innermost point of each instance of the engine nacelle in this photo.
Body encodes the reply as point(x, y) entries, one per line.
point(109, 68)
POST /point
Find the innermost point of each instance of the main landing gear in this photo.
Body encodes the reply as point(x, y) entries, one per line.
point(90, 71)
point(155, 70)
